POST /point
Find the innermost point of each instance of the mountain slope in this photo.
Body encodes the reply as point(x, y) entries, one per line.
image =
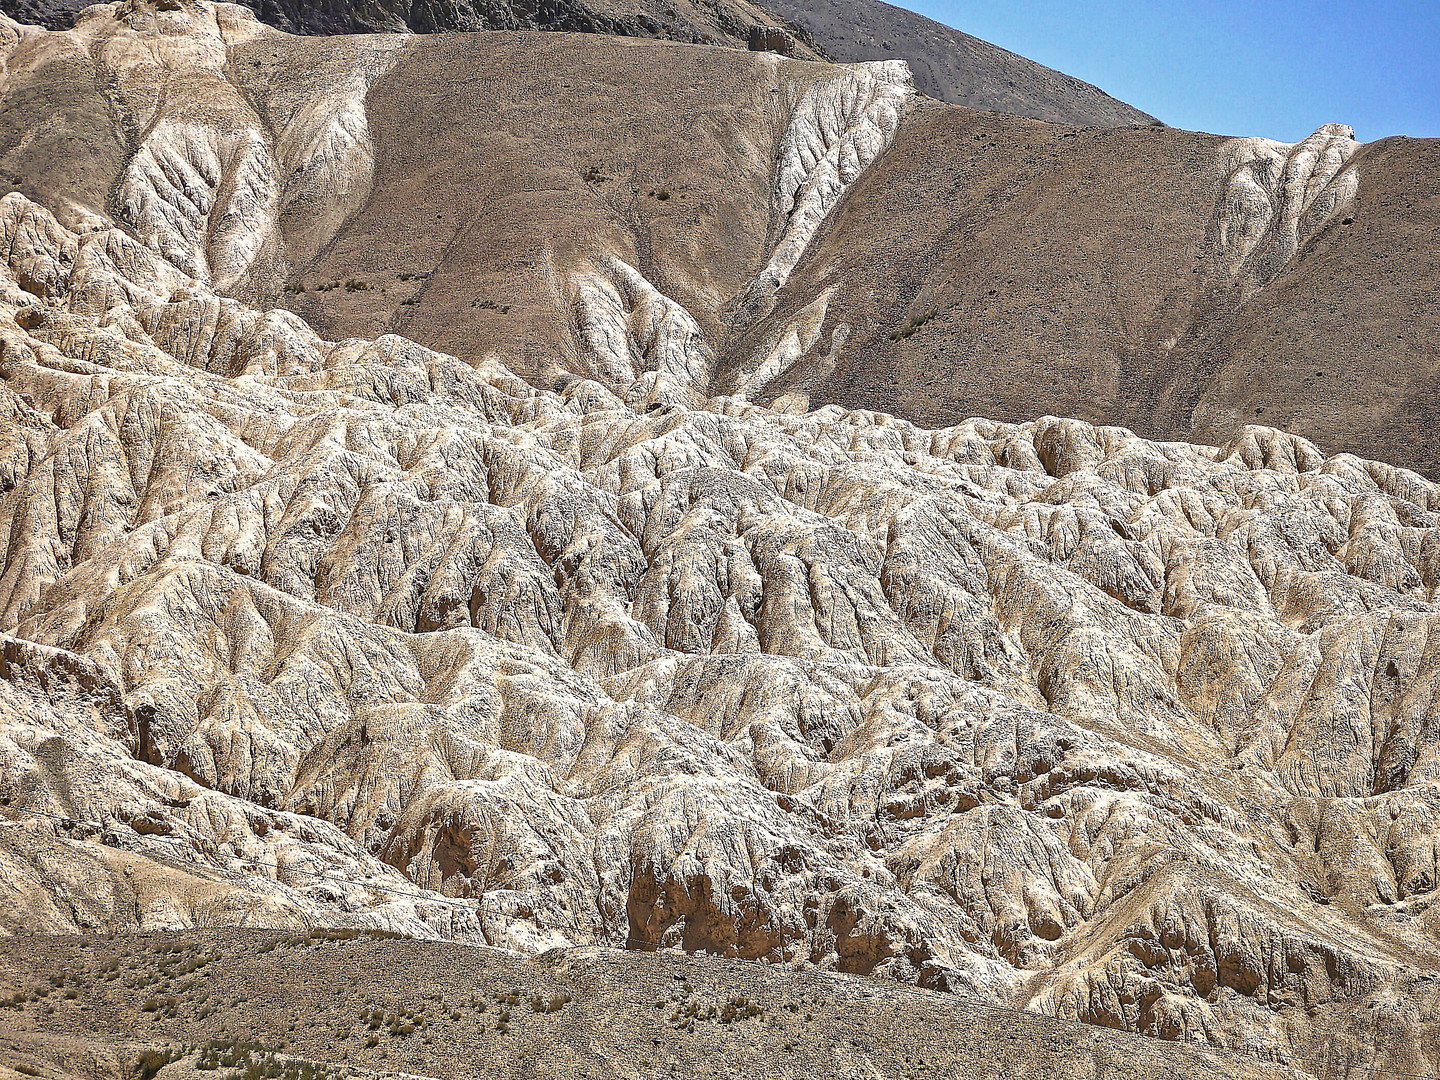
point(305, 632)
point(953, 66)
point(1138, 277)
point(601, 1013)
point(948, 65)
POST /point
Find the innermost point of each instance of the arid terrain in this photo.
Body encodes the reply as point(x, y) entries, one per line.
point(751, 512)
point(432, 1009)
point(948, 65)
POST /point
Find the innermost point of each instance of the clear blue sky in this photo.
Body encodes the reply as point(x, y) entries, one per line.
point(1270, 67)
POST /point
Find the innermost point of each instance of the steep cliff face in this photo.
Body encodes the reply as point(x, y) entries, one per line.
point(318, 624)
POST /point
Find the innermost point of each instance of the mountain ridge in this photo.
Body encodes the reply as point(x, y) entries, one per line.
point(956, 67)
point(951, 66)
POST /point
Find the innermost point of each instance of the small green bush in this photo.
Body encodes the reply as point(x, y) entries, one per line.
point(149, 1062)
point(912, 324)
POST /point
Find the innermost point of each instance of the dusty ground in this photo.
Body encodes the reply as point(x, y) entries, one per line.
point(385, 1006)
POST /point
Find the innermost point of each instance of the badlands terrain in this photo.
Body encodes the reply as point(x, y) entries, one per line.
point(430, 510)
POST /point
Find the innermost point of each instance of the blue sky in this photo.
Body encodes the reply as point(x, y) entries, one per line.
point(1268, 67)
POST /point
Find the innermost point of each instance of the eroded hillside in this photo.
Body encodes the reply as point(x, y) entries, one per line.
point(1134, 733)
point(948, 65)
point(320, 625)
point(737, 223)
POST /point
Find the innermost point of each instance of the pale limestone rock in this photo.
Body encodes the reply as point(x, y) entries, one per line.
point(836, 128)
point(1138, 733)
point(1277, 197)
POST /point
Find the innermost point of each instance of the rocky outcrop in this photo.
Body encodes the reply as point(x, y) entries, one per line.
point(771, 39)
point(730, 23)
point(837, 128)
point(1277, 198)
point(1134, 733)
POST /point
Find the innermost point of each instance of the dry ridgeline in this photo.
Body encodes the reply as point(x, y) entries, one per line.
point(461, 606)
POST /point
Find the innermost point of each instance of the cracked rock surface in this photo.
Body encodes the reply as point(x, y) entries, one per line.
point(1134, 733)
point(602, 632)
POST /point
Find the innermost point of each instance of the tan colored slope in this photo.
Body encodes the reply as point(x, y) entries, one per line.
point(1099, 274)
point(953, 66)
point(949, 65)
point(626, 210)
point(466, 1012)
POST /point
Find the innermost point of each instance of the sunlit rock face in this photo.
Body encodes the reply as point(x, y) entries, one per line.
point(1139, 733)
point(642, 650)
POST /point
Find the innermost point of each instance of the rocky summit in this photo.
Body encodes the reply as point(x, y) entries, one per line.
point(430, 511)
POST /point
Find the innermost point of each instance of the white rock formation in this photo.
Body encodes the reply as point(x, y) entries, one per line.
point(638, 343)
point(837, 127)
point(1140, 733)
point(645, 347)
point(1277, 197)
point(208, 175)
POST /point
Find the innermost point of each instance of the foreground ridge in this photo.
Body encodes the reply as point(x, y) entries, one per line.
point(347, 1004)
point(355, 633)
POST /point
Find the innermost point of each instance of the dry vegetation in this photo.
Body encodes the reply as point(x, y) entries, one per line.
point(330, 1004)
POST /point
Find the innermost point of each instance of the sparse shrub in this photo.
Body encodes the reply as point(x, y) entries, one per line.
point(355, 285)
point(912, 324)
point(372, 1040)
point(149, 1062)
